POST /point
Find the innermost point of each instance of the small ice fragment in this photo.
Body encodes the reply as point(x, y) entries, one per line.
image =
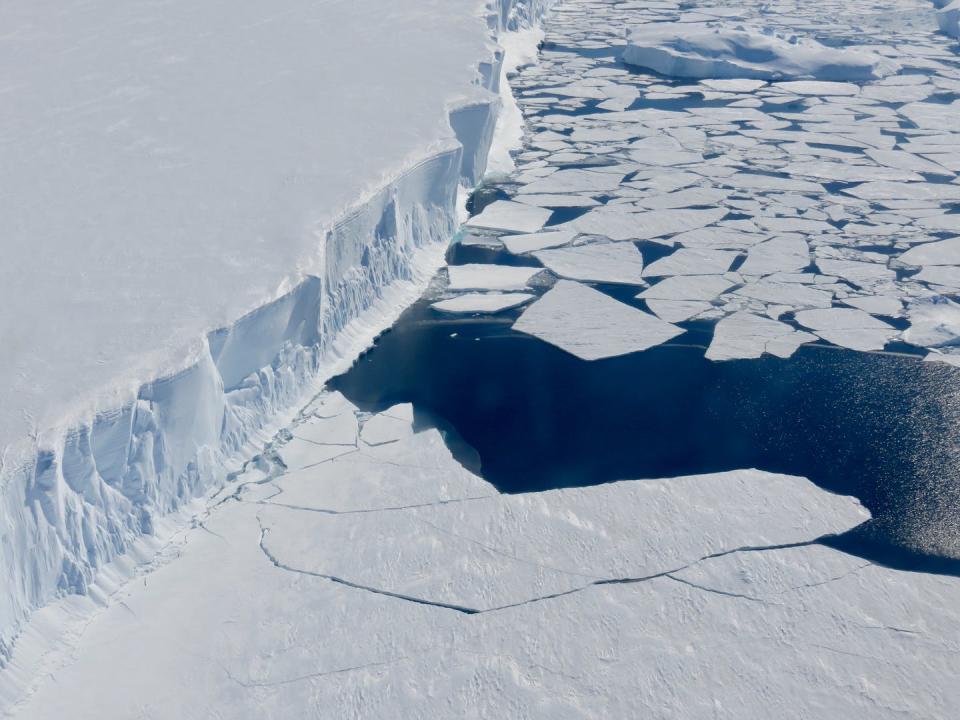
point(510, 217)
point(519, 244)
point(490, 277)
point(482, 302)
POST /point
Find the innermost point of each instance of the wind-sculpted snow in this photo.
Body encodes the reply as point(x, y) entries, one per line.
point(715, 50)
point(389, 582)
point(170, 171)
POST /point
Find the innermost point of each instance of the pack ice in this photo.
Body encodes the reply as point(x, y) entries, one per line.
point(206, 207)
point(720, 50)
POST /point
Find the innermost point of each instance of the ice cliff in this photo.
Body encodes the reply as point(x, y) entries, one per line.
point(206, 208)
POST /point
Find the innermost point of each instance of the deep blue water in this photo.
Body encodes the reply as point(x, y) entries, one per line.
point(530, 417)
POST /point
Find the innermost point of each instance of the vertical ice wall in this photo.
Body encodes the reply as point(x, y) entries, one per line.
point(85, 495)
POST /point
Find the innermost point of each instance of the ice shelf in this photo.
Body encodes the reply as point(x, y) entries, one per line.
point(206, 208)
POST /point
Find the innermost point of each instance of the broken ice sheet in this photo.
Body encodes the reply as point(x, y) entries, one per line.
point(779, 254)
point(568, 181)
point(389, 426)
point(490, 277)
point(619, 224)
point(692, 261)
point(940, 252)
point(744, 335)
point(687, 287)
point(520, 244)
point(675, 311)
point(598, 262)
point(510, 217)
point(340, 429)
point(934, 322)
point(586, 323)
point(794, 295)
point(482, 303)
point(848, 327)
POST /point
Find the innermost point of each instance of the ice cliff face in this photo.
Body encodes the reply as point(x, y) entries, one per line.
point(72, 500)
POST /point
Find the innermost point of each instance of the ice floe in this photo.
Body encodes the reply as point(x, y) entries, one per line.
point(848, 327)
point(746, 335)
point(598, 262)
point(934, 323)
point(510, 217)
point(706, 50)
point(939, 252)
point(482, 302)
point(490, 277)
point(520, 244)
point(692, 261)
point(586, 323)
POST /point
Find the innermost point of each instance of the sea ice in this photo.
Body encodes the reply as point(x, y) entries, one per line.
point(597, 262)
point(701, 50)
point(510, 216)
point(692, 261)
point(687, 287)
point(848, 327)
point(591, 325)
point(780, 254)
point(520, 244)
point(482, 302)
point(389, 426)
point(934, 323)
point(794, 295)
point(625, 225)
point(490, 277)
point(570, 181)
point(745, 335)
point(939, 252)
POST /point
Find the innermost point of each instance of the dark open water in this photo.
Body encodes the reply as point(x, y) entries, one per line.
point(882, 427)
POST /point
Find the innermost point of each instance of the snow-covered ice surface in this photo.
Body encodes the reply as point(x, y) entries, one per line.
point(205, 209)
point(354, 589)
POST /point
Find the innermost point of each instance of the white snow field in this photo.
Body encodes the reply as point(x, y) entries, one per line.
point(352, 589)
point(734, 51)
point(205, 208)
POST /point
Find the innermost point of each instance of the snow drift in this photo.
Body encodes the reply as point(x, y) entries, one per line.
point(709, 50)
point(206, 210)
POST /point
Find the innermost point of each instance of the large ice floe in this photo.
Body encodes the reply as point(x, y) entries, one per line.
point(206, 208)
point(949, 19)
point(379, 579)
point(725, 50)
